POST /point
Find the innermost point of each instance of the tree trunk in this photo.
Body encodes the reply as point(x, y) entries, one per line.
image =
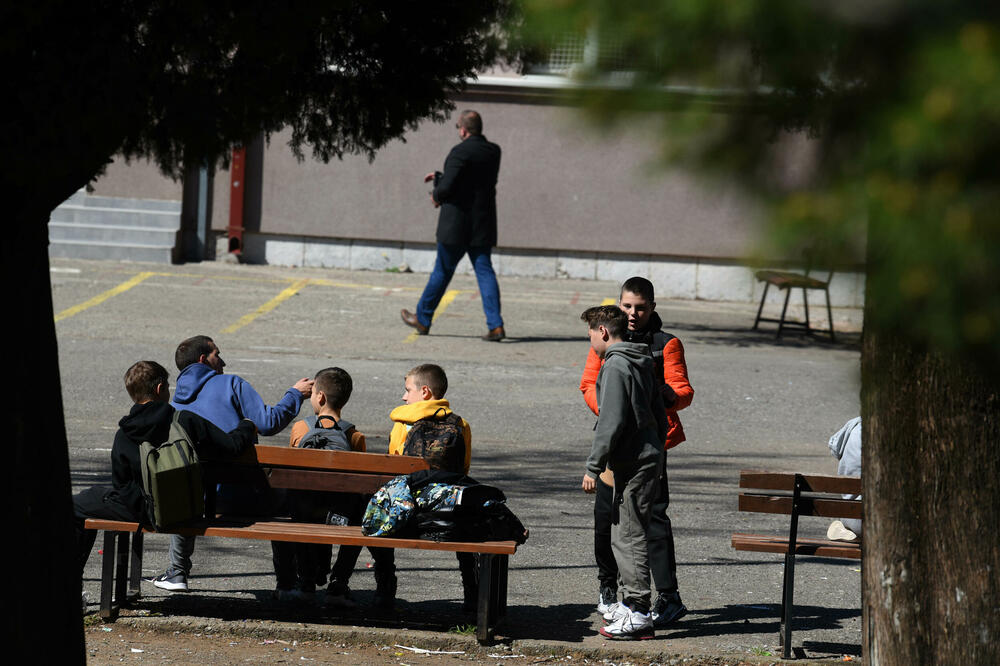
point(931, 506)
point(43, 585)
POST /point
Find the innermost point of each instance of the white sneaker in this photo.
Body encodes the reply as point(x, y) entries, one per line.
point(615, 612)
point(837, 532)
point(606, 600)
point(630, 626)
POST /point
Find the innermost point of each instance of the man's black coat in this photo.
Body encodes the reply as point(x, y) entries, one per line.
point(467, 193)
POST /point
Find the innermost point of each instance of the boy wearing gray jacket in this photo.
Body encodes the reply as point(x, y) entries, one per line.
point(628, 439)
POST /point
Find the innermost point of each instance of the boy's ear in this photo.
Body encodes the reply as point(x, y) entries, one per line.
point(321, 397)
point(162, 392)
point(425, 392)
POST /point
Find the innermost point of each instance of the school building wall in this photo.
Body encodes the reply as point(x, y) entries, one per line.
point(571, 203)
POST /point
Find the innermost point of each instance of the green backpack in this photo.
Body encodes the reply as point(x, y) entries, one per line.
point(171, 479)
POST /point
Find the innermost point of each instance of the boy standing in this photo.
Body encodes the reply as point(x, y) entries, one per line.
point(147, 383)
point(637, 301)
point(628, 439)
point(332, 388)
point(424, 388)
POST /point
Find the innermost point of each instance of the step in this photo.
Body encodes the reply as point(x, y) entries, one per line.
point(132, 235)
point(121, 217)
point(109, 251)
point(164, 205)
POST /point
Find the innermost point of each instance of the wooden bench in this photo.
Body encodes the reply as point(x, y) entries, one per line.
point(787, 281)
point(298, 469)
point(797, 495)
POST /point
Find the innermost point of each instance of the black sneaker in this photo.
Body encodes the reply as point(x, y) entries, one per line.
point(172, 580)
point(338, 595)
point(667, 610)
point(385, 591)
point(607, 599)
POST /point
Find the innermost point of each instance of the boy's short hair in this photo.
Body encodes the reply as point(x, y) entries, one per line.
point(336, 384)
point(142, 379)
point(610, 317)
point(432, 376)
point(190, 350)
point(638, 285)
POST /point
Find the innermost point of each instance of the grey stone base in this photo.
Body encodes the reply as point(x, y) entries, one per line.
point(675, 278)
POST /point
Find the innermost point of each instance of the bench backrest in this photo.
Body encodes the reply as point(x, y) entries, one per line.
point(308, 469)
point(805, 494)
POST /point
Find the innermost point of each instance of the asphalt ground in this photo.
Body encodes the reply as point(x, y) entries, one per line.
point(760, 403)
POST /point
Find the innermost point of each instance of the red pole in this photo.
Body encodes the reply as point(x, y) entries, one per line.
point(236, 173)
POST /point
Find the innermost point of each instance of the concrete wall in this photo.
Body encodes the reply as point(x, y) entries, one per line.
point(139, 180)
point(561, 187)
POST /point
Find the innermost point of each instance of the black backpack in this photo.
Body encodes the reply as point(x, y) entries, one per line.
point(318, 437)
point(438, 440)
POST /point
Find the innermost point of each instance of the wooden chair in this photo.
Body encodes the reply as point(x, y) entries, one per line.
point(787, 281)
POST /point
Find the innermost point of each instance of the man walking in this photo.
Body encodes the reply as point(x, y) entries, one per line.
point(466, 194)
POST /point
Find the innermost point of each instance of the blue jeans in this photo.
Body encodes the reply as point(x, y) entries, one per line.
point(448, 257)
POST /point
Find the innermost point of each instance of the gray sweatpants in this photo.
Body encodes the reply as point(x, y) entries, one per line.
point(635, 490)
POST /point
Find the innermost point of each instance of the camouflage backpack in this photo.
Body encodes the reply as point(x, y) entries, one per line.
point(438, 440)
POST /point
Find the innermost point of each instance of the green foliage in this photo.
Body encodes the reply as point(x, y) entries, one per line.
point(900, 105)
point(464, 629)
point(183, 82)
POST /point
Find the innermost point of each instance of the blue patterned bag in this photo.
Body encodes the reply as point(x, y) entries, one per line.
point(389, 510)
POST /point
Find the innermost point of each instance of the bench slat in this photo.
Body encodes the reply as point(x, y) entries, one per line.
point(348, 535)
point(817, 483)
point(344, 482)
point(808, 506)
point(286, 456)
point(818, 547)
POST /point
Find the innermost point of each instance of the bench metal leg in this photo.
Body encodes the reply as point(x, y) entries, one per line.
point(109, 609)
point(492, 595)
point(135, 568)
point(784, 309)
point(829, 314)
point(760, 309)
point(787, 591)
point(805, 304)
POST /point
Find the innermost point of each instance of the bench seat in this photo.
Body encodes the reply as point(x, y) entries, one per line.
point(763, 543)
point(277, 530)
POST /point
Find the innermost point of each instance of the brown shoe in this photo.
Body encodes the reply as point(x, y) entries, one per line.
point(410, 319)
point(496, 335)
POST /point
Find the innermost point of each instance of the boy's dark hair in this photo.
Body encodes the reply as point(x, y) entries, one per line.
point(610, 317)
point(336, 384)
point(640, 286)
point(190, 350)
point(142, 379)
point(432, 376)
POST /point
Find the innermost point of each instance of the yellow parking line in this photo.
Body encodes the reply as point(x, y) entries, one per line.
point(100, 298)
point(446, 300)
point(609, 301)
point(267, 307)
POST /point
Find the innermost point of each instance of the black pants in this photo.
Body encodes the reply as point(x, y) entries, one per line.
point(662, 561)
point(97, 502)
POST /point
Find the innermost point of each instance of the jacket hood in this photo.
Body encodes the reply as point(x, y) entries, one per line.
point(190, 382)
point(838, 442)
point(419, 410)
point(147, 422)
point(633, 352)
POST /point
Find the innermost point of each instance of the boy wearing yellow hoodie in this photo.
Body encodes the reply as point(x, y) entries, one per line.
point(424, 388)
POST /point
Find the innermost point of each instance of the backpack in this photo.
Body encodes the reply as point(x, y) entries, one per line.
point(465, 513)
point(171, 479)
point(438, 440)
point(318, 437)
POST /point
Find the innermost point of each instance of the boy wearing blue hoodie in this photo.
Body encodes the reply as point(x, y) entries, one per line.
point(224, 400)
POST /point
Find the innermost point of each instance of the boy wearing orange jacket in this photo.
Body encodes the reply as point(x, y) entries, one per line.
point(636, 299)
